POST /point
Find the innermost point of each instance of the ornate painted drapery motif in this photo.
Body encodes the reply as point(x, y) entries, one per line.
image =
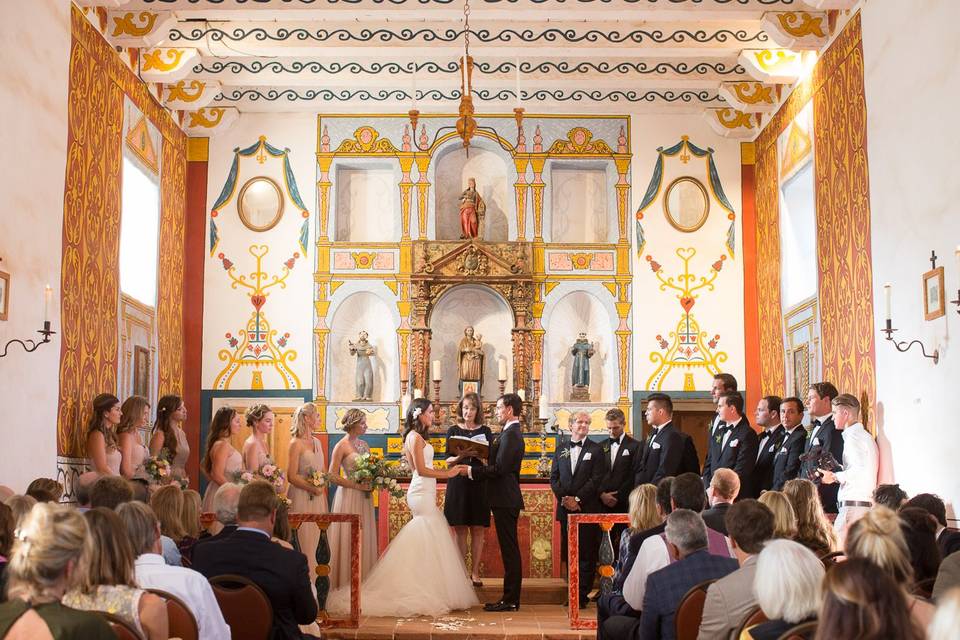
point(173, 191)
point(769, 311)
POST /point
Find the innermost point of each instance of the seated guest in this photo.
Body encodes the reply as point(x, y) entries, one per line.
point(613, 603)
point(687, 536)
point(948, 540)
point(948, 576)
point(110, 492)
point(860, 463)
point(767, 415)
point(167, 504)
point(82, 494)
point(784, 519)
point(813, 529)
point(890, 496)
point(724, 489)
point(110, 581)
point(6, 543)
point(662, 454)
point(787, 588)
point(786, 463)
point(946, 620)
point(919, 529)
point(862, 602)
point(20, 506)
point(731, 598)
point(51, 549)
point(152, 572)
point(225, 502)
point(644, 513)
point(877, 537)
point(281, 573)
point(45, 490)
point(190, 521)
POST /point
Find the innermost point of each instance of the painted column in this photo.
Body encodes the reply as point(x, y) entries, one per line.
point(538, 184)
point(423, 191)
point(521, 188)
point(406, 191)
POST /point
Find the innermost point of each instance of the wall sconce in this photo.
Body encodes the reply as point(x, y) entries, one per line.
point(904, 345)
point(46, 332)
point(957, 301)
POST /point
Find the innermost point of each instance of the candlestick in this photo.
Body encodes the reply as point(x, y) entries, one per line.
point(436, 370)
point(503, 386)
point(436, 391)
point(47, 299)
point(501, 370)
point(887, 294)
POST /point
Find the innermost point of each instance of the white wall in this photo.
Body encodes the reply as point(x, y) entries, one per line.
point(912, 87)
point(34, 65)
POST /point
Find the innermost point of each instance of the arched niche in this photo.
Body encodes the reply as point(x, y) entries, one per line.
point(490, 316)
point(575, 312)
point(365, 195)
point(362, 311)
point(489, 165)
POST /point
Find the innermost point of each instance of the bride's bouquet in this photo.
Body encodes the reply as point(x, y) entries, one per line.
point(373, 470)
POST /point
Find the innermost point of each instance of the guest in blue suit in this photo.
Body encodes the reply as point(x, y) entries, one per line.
point(687, 537)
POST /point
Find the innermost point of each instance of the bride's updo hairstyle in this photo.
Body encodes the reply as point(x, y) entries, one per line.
point(412, 420)
point(351, 419)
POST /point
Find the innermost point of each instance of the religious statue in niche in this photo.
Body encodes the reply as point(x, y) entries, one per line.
point(471, 362)
point(364, 376)
point(472, 210)
point(582, 351)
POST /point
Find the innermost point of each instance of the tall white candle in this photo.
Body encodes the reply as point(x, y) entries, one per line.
point(47, 299)
point(404, 405)
point(417, 393)
point(887, 295)
point(523, 394)
point(957, 253)
point(501, 369)
point(436, 370)
point(544, 406)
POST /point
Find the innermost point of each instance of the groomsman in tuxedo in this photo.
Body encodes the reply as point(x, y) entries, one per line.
point(823, 434)
point(768, 417)
point(722, 383)
point(579, 466)
point(622, 455)
point(503, 493)
point(786, 464)
point(663, 452)
point(736, 439)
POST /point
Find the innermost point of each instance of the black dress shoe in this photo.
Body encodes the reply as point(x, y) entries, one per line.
point(501, 606)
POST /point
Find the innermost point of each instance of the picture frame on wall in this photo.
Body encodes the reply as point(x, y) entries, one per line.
point(141, 372)
point(934, 302)
point(4, 295)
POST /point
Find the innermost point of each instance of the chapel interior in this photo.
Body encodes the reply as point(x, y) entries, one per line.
point(356, 203)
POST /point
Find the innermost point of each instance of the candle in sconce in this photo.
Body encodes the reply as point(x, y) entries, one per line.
point(544, 407)
point(405, 405)
point(501, 369)
point(957, 253)
point(436, 370)
point(417, 393)
point(47, 299)
point(523, 394)
point(887, 295)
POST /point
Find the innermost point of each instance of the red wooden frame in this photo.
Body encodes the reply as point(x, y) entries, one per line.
point(574, 520)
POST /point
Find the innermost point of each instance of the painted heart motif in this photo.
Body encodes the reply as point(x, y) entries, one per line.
point(258, 301)
point(686, 253)
point(687, 303)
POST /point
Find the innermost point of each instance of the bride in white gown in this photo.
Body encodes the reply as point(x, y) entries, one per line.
point(421, 572)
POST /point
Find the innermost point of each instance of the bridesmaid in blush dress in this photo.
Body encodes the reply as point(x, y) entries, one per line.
point(221, 461)
point(136, 415)
point(168, 434)
point(255, 449)
point(305, 457)
point(351, 497)
point(101, 438)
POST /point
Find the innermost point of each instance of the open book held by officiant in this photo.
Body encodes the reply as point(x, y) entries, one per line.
point(462, 447)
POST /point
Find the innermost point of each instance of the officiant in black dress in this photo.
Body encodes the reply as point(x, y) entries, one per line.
point(465, 504)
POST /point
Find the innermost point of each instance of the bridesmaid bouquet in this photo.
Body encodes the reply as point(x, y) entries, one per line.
point(270, 472)
point(157, 468)
point(317, 479)
point(373, 470)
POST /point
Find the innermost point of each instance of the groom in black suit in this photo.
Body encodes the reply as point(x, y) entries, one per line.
point(503, 492)
point(575, 477)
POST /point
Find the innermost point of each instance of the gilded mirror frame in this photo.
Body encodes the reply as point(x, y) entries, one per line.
point(706, 205)
point(249, 224)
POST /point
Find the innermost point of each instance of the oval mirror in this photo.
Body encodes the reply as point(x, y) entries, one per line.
point(260, 204)
point(686, 204)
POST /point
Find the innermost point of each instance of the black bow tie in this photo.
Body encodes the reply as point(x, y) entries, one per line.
point(576, 444)
point(767, 434)
point(615, 441)
point(817, 423)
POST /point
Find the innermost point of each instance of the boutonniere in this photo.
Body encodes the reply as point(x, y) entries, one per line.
point(565, 453)
point(606, 448)
point(717, 438)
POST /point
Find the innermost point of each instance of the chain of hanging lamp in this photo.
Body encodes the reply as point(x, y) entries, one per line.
point(466, 124)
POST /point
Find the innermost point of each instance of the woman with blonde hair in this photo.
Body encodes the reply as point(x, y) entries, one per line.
point(101, 439)
point(305, 458)
point(784, 518)
point(256, 451)
point(136, 415)
point(221, 460)
point(351, 497)
point(110, 583)
point(878, 537)
point(643, 515)
point(465, 504)
point(168, 434)
point(20, 506)
point(813, 530)
point(190, 521)
point(49, 557)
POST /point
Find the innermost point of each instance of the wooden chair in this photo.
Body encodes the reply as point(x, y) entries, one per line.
point(180, 619)
point(121, 628)
point(690, 611)
point(754, 616)
point(803, 631)
point(245, 607)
